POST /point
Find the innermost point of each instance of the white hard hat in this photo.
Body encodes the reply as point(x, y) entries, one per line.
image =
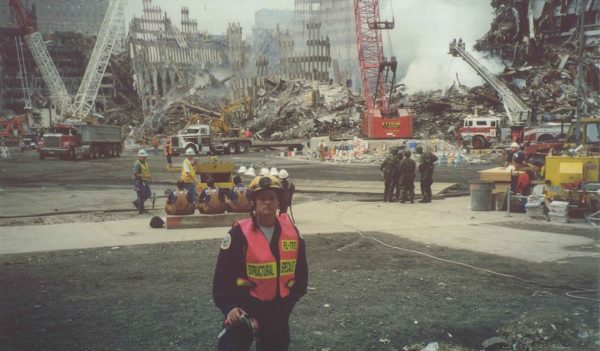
point(274, 171)
point(514, 145)
point(264, 171)
point(242, 170)
point(283, 174)
point(142, 153)
point(190, 151)
point(250, 172)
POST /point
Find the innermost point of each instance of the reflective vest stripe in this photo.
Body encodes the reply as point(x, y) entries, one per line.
point(191, 178)
point(261, 266)
point(143, 170)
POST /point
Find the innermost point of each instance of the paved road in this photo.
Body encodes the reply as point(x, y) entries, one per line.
point(27, 170)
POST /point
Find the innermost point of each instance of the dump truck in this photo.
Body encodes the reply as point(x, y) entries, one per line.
point(73, 140)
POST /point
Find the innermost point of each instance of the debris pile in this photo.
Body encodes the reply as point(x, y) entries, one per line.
point(542, 64)
point(298, 109)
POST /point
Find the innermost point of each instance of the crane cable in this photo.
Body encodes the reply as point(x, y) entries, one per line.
point(571, 294)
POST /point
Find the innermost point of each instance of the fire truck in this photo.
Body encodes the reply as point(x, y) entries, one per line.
point(481, 132)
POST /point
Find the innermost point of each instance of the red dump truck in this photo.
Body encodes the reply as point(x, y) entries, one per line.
point(69, 141)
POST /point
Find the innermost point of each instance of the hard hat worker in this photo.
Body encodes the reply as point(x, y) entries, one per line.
point(141, 177)
point(288, 191)
point(188, 174)
point(514, 156)
point(261, 273)
point(237, 199)
point(212, 199)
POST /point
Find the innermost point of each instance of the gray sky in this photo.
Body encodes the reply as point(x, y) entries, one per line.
point(214, 15)
point(420, 40)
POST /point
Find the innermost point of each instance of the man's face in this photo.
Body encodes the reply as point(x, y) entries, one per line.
point(142, 158)
point(267, 203)
point(514, 148)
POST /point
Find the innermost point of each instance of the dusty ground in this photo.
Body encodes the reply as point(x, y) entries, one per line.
point(362, 296)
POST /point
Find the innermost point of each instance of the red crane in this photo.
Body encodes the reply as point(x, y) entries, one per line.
point(381, 120)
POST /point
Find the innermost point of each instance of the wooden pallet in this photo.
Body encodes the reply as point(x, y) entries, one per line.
point(203, 220)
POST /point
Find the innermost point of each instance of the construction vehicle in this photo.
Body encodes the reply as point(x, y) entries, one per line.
point(11, 129)
point(80, 106)
point(381, 119)
point(214, 135)
point(73, 140)
point(481, 132)
point(589, 137)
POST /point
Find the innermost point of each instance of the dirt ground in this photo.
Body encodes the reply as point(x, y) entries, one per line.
point(362, 296)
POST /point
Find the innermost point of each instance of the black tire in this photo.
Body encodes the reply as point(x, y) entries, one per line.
point(478, 142)
point(232, 148)
point(42, 156)
point(244, 147)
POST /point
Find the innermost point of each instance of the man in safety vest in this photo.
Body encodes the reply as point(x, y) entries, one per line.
point(169, 150)
point(237, 200)
point(188, 174)
point(141, 176)
point(212, 199)
point(261, 273)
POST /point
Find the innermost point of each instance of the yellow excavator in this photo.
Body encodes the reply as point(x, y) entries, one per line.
point(222, 125)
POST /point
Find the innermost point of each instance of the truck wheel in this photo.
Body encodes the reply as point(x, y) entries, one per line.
point(231, 148)
point(478, 142)
point(42, 156)
point(244, 147)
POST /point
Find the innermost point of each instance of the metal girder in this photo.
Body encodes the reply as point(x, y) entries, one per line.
point(370, 49)
point(56, 87)
point(88, 90)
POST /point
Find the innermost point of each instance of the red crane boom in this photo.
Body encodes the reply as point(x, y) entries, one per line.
point(381, 119)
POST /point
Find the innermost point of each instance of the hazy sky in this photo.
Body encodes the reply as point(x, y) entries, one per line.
point(420, 40)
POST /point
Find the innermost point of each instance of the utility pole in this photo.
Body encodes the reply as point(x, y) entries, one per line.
point(580, 98)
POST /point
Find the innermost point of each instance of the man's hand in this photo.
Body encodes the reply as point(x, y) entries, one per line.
point(234, 317)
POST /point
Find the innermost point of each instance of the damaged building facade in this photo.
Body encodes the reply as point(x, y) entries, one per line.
point(166, 57)
point(68, 26)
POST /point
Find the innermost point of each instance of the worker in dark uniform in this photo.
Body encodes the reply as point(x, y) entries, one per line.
point(397, 186)
point(237, 199)
point(387, 167)
point(407, 178)
point(288, 191)
point(257, 282)
point(426, 170)
point(212, 198)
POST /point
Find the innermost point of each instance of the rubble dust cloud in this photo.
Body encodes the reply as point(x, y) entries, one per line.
point(421, 37)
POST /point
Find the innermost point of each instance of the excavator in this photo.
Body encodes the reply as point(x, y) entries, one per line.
point(222, 124)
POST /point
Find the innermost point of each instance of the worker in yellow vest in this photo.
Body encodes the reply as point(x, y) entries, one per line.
point(141, 176)
point(188, 174)
point(261, 273)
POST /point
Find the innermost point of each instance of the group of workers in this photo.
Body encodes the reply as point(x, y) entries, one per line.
point(211, 199)
point(399, 173)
